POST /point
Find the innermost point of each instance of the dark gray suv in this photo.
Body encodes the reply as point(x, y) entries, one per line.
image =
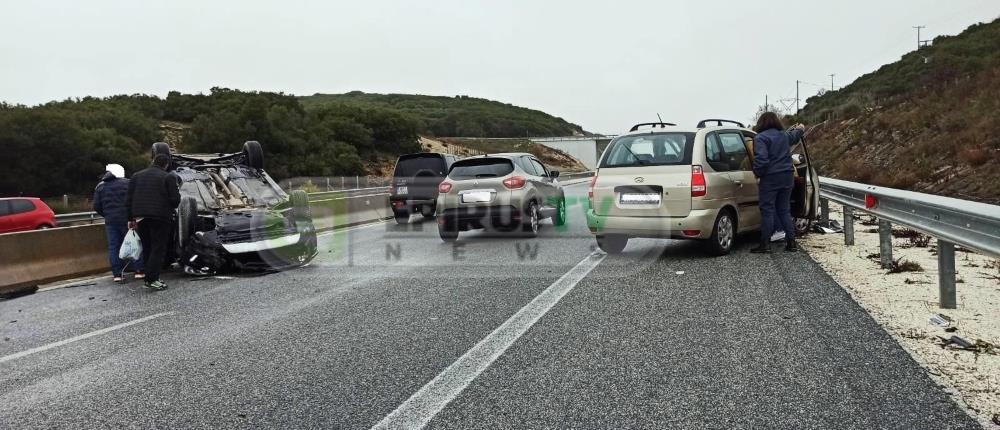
point(415, 183)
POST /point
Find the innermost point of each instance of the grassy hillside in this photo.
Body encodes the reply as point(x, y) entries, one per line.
point(928, 122)
point(461, 116)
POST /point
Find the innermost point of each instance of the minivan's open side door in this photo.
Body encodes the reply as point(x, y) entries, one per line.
point(805, 195)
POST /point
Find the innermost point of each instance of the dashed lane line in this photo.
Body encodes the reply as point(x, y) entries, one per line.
point(423, 405)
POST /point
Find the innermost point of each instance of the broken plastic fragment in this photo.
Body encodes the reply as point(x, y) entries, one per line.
point(940, 320)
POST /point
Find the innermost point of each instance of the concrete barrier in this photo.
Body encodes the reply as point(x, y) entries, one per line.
point(37, 257)
point(31, 258)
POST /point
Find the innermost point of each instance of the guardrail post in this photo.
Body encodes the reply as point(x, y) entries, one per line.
point(946, 274)
point(824, 210)
point(848, 226)
point(885, 242)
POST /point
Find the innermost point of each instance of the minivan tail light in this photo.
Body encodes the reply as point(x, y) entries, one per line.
point(444, 187)
point(514, 182)
point(698, 188)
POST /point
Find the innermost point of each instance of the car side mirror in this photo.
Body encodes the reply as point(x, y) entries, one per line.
point(553, 174)
point(798, 159)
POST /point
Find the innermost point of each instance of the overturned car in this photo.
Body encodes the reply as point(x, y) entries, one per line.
point(233, 216)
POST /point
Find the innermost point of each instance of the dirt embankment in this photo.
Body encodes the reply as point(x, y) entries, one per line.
point(552, 158)
point(943, 140)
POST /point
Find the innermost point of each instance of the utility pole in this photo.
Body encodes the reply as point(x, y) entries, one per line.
point(831, 80)
point(797, 97)
point(918, 27)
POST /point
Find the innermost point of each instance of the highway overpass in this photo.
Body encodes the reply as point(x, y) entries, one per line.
point(587, 149)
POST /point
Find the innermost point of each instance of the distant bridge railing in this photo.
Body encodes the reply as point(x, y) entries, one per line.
point(972, 225)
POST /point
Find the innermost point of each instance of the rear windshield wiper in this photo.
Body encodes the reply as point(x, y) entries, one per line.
point(636, 157)
point(486, 175)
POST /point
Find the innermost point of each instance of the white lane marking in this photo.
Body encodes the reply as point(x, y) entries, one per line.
point(74, 282)
point(359, 227)
point(423, 405)
point(81, 337)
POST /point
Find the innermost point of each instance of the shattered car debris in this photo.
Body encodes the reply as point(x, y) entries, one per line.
point(232, 215)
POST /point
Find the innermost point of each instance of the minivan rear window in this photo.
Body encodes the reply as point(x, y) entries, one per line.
point(409, 166)
point(655, 149)
point(481, 168)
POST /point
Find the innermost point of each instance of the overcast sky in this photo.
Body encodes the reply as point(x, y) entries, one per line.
point(604, 65)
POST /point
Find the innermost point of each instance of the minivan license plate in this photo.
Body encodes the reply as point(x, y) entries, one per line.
point(639, 199)
point(402, 190)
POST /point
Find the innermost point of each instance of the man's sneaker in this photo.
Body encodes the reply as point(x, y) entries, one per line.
point(118, 279)
point(156, 285)
point(140, 275)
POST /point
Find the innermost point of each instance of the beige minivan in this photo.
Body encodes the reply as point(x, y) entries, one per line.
point(662, 181)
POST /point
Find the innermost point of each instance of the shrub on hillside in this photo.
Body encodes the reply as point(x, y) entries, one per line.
point(974, 156)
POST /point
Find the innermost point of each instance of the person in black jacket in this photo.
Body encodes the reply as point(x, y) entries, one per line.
point(153, 195)
point(109, 202)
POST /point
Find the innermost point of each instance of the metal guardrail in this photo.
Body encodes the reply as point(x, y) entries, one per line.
point(78, 218)
point(973, 225)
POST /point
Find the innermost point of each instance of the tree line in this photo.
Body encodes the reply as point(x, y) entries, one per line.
point(62, 147)
point(459, 116)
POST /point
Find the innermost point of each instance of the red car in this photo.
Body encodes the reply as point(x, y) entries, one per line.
point(25, 213)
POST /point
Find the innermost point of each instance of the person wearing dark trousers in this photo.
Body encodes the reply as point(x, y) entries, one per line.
point(772, 165)
point(109, 202)
point(153, 195)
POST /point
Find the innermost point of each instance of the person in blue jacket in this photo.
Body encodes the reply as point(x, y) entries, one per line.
point(109, 202)
point(772, 165)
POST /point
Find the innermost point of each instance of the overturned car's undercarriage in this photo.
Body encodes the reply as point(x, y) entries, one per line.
point(234, 216)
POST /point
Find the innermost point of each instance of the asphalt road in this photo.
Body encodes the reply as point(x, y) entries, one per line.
point(391, 326)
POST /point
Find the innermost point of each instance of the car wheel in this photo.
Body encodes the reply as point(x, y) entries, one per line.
point(560, 218)
point(300, 204)
point(253, 154)
point(802, 226)
point(401, 217)
point(187, 220)
point(427, 211)
point(448, 230)
point(530, 225)
point(612, 243)
point(723, 234)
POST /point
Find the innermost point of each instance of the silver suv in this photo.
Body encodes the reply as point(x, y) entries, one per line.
point(503, 191)
point(670, 182)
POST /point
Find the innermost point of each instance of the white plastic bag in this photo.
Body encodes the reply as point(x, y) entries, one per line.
point(131, 247)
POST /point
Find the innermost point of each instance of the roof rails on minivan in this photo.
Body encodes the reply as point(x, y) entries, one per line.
point(701, 124)
point(654, 124)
